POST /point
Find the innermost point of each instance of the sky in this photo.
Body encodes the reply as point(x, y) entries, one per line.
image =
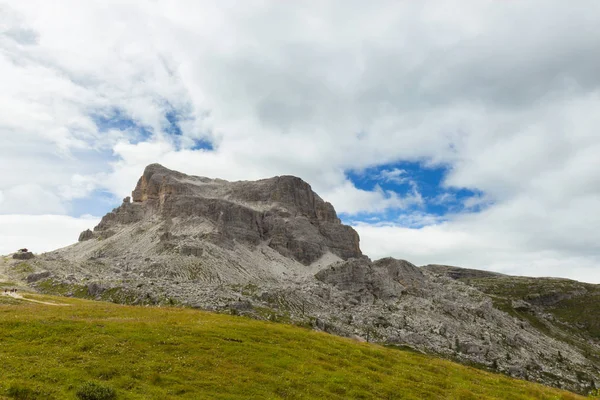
point(460, 132)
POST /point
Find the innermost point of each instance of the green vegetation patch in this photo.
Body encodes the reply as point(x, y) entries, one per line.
point(102, 349)
point(23, 268)
point(50, 286)
point(582, 312)
point(95, 391)
point(576, 304)
point(115, 295)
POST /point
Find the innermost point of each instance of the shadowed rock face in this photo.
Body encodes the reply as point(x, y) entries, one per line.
point(282, 211)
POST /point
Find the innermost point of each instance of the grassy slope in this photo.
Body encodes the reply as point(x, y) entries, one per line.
point(577, 316)
point(167, 353)
point(580, 311)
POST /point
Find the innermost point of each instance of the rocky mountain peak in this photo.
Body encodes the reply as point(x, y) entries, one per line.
point(282, 212)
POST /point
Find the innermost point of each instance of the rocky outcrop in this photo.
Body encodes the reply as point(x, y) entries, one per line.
point(401, 271)
point(23, 255)
point(85, 235)
point(38, 276)
point(282, 212)
point(367, 281)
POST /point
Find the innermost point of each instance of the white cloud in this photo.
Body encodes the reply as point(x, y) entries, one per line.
point(476, 248)
point(40, 233)
point(32, 197)
point(349, 199)
point(476, 201)
point(444, 198)
point(503, 93)
point(395, 175)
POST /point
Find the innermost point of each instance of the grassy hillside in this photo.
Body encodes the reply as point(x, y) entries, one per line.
point(50, 351)
point(574, 307)
point(575, 304)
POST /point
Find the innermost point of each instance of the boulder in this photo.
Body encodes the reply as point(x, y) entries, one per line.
point(520, 305)
point(38, 276)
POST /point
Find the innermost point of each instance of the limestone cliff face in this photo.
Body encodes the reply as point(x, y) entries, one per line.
point(283, 212)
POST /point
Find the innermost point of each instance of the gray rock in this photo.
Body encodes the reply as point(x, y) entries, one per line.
point(241, 305)
point(520, 305)
point(384, 279)
point(191, 251)
point(86, 235)
point(95, 289)
point(23, 255)
point(401, 271)
point(38, 276)
point(472, 348)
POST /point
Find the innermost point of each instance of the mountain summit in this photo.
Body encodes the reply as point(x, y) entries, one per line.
point(282, 213)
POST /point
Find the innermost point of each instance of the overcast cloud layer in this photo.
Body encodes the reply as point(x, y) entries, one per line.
point(504, 95)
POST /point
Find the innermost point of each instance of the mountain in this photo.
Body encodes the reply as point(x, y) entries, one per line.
point(273, 249)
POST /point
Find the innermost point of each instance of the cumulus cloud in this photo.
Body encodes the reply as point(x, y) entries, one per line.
point(502, 94)
point(40, 233)
point(436, 244)
point(351, 200)
point(31, 197)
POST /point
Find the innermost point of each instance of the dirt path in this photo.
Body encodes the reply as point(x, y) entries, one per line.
point(20, 297)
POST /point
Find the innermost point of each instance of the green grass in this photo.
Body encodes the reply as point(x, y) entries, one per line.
point(23, 268)
point(114, 295)
point(574, 305)
point(50, 352)
point(580, 310)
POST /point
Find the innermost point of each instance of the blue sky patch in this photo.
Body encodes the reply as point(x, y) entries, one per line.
point(407, 179)
point(172, 127)
point(118, 120)
point(98, 203)
point(202, 144)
